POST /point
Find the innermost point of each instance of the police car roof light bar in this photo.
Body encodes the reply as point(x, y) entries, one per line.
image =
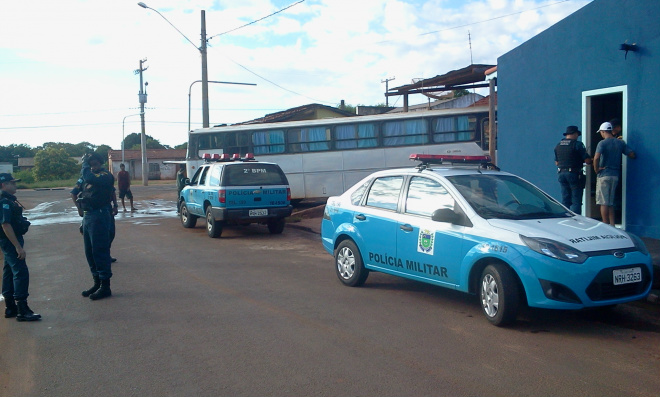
point(440, 159)
point(236, 157)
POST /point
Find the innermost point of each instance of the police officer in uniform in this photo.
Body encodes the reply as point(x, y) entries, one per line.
point(570, 155)
point(15, 275)
point(93, 203)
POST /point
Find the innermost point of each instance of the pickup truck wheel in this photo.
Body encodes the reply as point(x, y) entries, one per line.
point(213, 227)
point(499, 294)
point(348, 264)
point(276, 226)
point(187, 219)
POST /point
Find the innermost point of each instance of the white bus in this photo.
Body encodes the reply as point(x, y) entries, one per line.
point(323, 158)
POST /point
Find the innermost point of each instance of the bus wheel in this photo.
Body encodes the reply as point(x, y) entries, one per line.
point(348, 264)
point(213, 228)
point(187, 220)
point(276, 226)
point(499, 295)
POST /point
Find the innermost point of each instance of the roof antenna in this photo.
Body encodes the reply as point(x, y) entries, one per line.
point(470, 42)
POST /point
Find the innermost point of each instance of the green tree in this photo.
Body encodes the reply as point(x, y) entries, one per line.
point(103, 151)
point(53, 164)
point(184, 145)
point(133, 142)
point(459, 93)
point(11, 153)
point(73, 150)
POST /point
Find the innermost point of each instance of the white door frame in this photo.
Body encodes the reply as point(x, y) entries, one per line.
point(587, 122)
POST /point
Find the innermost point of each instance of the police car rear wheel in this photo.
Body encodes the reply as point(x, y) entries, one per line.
point(276, 226)
point(213, 228)
point(499, 294)
point(187, 220)
point(349, 266)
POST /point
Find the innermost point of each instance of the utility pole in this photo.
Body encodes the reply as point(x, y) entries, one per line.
point(205, 76)
point(143, 138)
point(386, 81)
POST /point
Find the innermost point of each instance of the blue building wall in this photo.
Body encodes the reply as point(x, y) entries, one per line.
point(540, 86)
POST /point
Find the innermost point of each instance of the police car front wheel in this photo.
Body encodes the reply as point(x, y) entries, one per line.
point(187, 219)
point(349, 266)
point(499, 294)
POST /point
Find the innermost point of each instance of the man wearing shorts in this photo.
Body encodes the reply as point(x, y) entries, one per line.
point(607, 165)
point(124, 185)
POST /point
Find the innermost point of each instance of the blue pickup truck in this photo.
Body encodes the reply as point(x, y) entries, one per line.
point(236, 190)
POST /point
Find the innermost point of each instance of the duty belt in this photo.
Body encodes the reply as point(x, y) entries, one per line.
point(569, 169)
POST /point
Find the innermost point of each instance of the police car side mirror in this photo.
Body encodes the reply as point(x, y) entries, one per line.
point(186, 181)
point(448, 216)
point(444, 215)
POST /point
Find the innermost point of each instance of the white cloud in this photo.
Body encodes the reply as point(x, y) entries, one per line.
point(66, 67)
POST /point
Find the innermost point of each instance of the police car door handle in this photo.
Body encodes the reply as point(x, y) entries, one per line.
point(406, 228)
point(360, 217)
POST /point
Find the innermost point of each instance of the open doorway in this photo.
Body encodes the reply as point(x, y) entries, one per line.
point(599, 106)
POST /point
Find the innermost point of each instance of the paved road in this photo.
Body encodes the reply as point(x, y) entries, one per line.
point(255, 314)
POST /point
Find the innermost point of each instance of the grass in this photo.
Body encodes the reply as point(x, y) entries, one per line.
point(47, 184)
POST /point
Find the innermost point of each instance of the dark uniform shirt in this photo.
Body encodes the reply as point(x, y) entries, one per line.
point(94, 189)
point(12, 213)
point(570, 154)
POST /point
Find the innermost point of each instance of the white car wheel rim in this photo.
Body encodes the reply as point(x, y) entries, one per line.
point(489, 295)
point(346, 263)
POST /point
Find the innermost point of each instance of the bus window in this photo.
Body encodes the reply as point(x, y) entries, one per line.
point(309, 139)
point(405, 132)
point(454, 129)
point(237, 142)
point(265, 142)
point(210, 141)
point(353, 136)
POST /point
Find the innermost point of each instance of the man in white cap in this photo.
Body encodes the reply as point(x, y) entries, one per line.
point(607, 165)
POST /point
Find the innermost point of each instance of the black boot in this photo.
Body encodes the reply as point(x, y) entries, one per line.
point(24, 312)
point(11, 310)
point(103, 292)
point(95, 287)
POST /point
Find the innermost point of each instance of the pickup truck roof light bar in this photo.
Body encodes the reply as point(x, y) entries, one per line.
point(226, 157)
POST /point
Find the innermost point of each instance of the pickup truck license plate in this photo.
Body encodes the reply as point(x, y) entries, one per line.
point(262, 212)
point(627, 276)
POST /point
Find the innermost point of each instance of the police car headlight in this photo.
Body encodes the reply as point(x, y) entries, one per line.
point(639, 244)
point(554, 249)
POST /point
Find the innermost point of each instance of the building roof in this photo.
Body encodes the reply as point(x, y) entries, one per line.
point(455, 79)
point(305, 112)
point(152, 154)
point(484, 101)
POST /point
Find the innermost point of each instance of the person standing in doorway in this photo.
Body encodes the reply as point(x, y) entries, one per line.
point(570, 155)
point(124, 185)
point(616, 128)
point(15, 275)
point(607, 166)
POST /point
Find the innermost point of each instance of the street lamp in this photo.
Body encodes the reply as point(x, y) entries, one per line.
point(123, 136)
point(198, 81)
point(202, 50)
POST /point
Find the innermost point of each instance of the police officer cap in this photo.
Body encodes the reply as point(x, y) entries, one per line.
point(571, 129)
point(5, 177)
point(95, 156)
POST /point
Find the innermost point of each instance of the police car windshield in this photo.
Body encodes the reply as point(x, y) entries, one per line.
point(506, 197)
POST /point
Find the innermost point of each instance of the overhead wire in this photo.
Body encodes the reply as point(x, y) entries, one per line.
point(258, 20)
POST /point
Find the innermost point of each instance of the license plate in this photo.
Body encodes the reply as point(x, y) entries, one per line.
point(262, 212)
point(627, 276)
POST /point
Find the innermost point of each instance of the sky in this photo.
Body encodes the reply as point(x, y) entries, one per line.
point(67, 67)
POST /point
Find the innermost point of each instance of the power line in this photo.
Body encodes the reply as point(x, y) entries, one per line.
point(260, 19)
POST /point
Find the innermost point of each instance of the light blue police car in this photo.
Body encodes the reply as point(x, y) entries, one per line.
point(478, 230)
